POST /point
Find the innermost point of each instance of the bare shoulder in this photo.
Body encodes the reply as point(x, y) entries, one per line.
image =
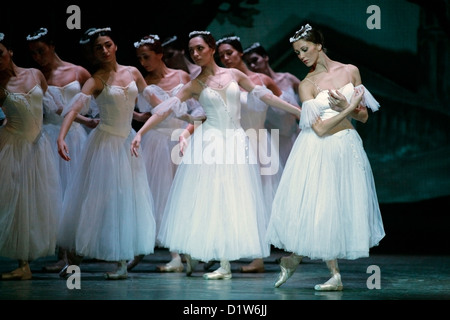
point(306, 90)
point(354, 73)
point(185, 77)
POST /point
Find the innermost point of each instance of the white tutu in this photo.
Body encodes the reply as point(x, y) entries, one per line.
point(30, 189)
point(326, 205)
point(108, 206)
point(215, 209)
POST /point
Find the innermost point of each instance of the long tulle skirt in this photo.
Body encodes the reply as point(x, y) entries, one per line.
point(156, 150)
point(75, 139)
point(30, 197)
point(326, 205)
point(108, 206)
point(215, 209)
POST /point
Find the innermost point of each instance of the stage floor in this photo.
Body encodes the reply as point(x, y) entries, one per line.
point(400, 277)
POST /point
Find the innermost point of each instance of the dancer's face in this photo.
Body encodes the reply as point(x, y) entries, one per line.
point(256, 62)
point(41, 52)
point(307, 52)
point(148, 59)
point(229, 56)
point(105, 49)
point(200, 52)
point(5, 58)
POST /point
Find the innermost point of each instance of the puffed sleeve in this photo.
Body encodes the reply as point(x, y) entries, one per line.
point(172, 104)
point(368, 99)
point(93, 110)
point(259, 92)
point(194, 107)
point(143, 104)
point(310, 113)
point(51, 104)
point(80, 103)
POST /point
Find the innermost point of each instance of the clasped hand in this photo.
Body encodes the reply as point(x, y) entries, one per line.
point(338, 102)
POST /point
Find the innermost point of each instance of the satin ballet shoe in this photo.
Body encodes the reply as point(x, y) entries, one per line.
point(134, 262)
point(288, 265)
point(256, 266)
point(173, 266)
point(219, 274)
point(22, 273)
point(190, 264)
point(333, 284)
point(55, 268)
point(120, 274)
point(115, 276)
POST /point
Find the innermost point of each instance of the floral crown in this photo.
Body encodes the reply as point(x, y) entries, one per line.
point(252, 47)
point(194, 33)
point(94, 31)
point(232, 38)
point(2, 36)
point(150, 39)
point(300, 33)
point(42, 32)
point(169, 41)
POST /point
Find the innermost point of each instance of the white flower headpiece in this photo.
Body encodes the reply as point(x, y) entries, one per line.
point(232, 38)
point(150, 40)
point(199, 32)
point(2, 36)
point(42, 32)
point(253, 46)
point(98, 31)
point(170, 40)
point(297, 36)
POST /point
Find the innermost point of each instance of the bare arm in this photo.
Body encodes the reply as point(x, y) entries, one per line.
point(184, 94)
point(323, 127)
point(88, 90)
point(270, 99)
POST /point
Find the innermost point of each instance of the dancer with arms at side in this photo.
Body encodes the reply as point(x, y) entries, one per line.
point(30, 188)
point(108, 207)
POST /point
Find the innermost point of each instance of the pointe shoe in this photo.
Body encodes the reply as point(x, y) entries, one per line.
point(21, 273)
point(288, 265)
point(55, 268)
point(133, 263)
point(256, 266)
point(219, 274)
point(333, 284)
point(174, 265)
point(190, 264)
point(120, 274)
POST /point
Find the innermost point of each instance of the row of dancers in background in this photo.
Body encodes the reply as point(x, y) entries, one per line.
point(123, 195)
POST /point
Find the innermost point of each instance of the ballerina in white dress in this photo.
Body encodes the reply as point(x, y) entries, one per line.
point(108, 206)
point(30, 188)
point(326, 205)
point(158, 145)
point(214, 207)
point(253, 115)
point(64, 81)
point(257, 60)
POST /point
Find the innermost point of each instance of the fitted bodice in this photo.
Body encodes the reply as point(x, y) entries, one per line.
point(254, 112)
point(116, 105)
point(24, 112)
point(62, 95)
point(323, 104)
point(222, 106)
